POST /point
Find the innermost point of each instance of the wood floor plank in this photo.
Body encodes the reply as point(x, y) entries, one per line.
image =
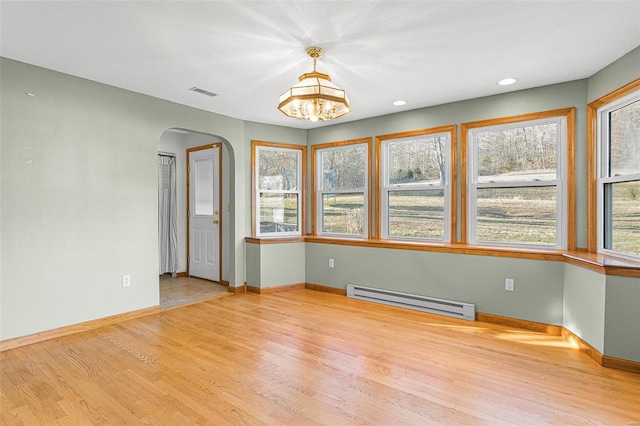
point(306, 357)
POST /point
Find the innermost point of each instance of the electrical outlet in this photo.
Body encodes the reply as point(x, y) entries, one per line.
point(331, 263)
point(126, 280)
point(509, 284)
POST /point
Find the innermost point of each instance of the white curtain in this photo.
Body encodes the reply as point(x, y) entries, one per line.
point(167, 215)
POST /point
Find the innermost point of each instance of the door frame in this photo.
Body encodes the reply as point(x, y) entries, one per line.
point(188, 203)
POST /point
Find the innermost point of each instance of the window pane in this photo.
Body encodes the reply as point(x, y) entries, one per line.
point(344, 168)
point(517, 215)
point(278, 213)
point(521, 154)
point(416, 214)
point(343, 213)
point(623, 217)
point(625, 140)
point(277, 170)
point(419, 160)
point(203, 187)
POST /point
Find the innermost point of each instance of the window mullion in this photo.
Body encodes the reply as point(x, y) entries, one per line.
point(621, 178)
point(518, 184)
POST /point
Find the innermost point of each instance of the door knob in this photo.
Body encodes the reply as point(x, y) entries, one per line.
point(216, 221)
point(216, 212)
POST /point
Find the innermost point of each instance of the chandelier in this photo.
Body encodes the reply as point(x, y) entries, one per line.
point(314, 97)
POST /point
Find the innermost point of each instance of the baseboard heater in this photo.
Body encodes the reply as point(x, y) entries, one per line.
point(412, 301)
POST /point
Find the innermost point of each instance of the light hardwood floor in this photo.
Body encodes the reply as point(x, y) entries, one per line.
point(304, 357)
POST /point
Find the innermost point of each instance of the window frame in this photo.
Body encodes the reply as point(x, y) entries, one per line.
point(603, 178)
point(316, 181)
point(301, 152)
point(564, 183)
point(383, 187)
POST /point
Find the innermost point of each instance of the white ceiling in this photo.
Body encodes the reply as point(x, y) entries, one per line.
point(249, 52)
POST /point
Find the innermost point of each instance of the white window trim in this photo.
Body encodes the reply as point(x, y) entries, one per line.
point(320, 192)
point(559, 183)
point(602, 161)
point(386, 188)
point(298, 153)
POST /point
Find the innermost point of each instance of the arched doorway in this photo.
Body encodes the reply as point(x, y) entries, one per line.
point(179, 288)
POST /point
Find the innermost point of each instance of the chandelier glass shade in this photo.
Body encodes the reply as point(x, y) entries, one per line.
point(314, 97)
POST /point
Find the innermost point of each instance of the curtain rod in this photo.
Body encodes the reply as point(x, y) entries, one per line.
point(167, 154)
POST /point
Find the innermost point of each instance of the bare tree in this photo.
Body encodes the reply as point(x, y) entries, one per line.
point(441, 158)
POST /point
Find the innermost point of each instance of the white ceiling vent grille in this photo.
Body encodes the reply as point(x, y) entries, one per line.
point(204, 92)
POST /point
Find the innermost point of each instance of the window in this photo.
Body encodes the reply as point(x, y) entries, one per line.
point(618, 131)
point(278, 184)
point(517, 170)
point(340, 180)
point(414, 173)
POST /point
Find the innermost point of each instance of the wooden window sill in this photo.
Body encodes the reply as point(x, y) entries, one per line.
point(443, 248)
point(603, 264)
point(274, 240)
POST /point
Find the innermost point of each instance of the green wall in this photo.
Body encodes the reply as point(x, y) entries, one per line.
point(601, 310)
point(465, 278)
point(474, 279)
point(78, 209)
point(268, 270)
point(79, 197)
point(623, 71)
point(622, 318)
point(584, 299)
point(565, 95)
point(266, 133)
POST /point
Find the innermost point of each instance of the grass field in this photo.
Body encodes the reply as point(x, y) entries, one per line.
point(503, 217)
point(522, 215)
point(626, 218)
point(416, 214)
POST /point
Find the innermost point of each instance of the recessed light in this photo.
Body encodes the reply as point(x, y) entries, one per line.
point(507, 81)
point(30, 94)
point(399, 103)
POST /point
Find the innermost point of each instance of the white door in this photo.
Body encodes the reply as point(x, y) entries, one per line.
point(204, 213)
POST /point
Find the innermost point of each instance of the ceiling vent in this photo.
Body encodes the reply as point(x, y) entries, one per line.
point(204, 92)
